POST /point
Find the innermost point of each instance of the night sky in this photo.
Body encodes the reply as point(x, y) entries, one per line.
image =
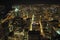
point(29, 1)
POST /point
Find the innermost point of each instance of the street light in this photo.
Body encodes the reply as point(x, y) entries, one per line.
point(58, 31)
point(16, 9)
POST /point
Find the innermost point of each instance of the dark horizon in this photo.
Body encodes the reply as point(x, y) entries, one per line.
point(13, 2)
